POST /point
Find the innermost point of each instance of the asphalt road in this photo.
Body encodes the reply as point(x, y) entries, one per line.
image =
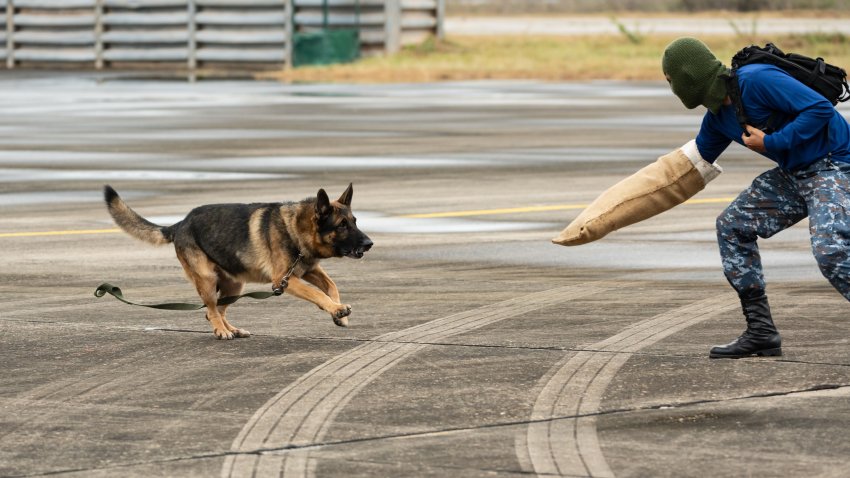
point(476, 347)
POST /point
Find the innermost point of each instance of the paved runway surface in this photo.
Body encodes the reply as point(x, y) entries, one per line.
point(476, 347)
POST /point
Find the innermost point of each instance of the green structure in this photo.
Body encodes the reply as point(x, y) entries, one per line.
point(328, 45)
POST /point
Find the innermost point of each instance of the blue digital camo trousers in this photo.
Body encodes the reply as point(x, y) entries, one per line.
point(777, 200)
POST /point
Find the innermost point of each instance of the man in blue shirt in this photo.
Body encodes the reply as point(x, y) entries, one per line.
point(810, 142)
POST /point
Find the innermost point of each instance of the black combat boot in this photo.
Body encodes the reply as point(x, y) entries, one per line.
point(761, 337)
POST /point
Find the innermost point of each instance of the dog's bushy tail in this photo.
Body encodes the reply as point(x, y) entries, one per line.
point(133, 224)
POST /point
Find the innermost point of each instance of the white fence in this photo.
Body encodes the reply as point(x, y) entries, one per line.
point(198, 33)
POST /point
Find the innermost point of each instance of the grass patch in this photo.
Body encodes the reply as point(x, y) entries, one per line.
point(550, 58)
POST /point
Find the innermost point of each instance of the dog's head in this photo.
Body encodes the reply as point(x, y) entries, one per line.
point(338, 226)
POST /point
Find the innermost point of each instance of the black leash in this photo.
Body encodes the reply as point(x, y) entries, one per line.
point(115, 291)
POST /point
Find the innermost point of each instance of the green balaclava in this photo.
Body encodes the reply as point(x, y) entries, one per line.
point(695, 74)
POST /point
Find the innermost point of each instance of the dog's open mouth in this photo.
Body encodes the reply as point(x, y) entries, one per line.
point(354, 253)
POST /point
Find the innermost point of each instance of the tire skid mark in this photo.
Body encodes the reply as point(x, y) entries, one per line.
point(302, 413)
point(571, 447)
point(321, 400)
point(386, 346)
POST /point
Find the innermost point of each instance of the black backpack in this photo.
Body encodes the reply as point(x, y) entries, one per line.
point(828, 80)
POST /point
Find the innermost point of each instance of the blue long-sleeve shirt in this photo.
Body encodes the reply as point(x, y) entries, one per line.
point(807, 126)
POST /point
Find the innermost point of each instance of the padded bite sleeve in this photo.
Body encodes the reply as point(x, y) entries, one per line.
point(671, 180)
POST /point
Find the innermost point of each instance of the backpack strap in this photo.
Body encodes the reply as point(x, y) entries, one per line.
point(734, 92)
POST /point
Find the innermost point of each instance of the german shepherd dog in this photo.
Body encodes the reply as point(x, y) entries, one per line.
point(223, 246)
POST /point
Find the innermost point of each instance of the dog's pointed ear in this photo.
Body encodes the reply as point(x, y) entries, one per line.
point(323, 204)
point(346, 195)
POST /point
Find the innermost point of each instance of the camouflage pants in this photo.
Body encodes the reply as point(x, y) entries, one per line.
point(777, 200)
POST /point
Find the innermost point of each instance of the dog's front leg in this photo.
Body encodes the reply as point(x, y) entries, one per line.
point(339, 312)
point(319, 278)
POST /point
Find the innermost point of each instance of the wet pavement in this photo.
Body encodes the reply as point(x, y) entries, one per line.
point(476, 347)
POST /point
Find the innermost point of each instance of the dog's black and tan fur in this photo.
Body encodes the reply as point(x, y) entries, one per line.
point(224, 246)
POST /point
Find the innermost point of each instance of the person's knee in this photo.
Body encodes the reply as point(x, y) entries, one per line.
point(730, 226)
point(721, 224)
point(830, 256)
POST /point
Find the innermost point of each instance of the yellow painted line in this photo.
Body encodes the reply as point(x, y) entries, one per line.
point(486, 212)
point(434, 215)
point(59, 233)
point(709, 201)
point(521, 210)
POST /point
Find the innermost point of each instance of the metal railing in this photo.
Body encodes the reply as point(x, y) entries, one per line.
point(197, 33)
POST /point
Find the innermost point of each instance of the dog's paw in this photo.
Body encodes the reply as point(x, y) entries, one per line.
point(223, 334)
point(240, 333)
point(340, 315)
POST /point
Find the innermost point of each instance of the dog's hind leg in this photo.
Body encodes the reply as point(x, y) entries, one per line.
point(201, 272)
point(227, 287)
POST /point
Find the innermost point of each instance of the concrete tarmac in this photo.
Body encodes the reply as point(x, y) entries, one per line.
point(475, 348)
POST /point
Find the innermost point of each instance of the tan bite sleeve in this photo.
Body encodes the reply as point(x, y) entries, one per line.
point(660, 186)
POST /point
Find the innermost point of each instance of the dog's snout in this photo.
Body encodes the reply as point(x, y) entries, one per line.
point(366, 244)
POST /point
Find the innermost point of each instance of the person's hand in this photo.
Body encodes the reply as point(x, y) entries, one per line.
point(755, 140)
